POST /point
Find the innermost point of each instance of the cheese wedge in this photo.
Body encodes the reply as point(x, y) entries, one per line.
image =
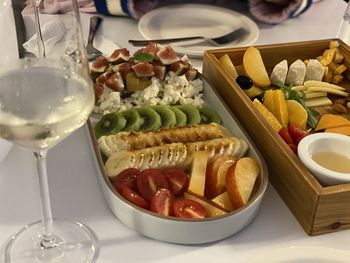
point(314, 70)
point(329, 121)
point(345, 130)
point(296, 73)
point(318, 102)
point(279, 72)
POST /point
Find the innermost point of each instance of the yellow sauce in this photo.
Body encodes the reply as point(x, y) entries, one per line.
point(333, 161)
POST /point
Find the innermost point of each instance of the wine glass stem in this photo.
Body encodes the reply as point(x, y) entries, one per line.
point(48, 241)
point(39, 39)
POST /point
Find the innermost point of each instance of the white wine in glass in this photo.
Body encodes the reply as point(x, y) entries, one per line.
point(43, 100)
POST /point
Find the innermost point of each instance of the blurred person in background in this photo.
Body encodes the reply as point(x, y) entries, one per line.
point(267, 11)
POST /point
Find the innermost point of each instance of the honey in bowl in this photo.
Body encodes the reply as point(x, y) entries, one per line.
point(333, 161)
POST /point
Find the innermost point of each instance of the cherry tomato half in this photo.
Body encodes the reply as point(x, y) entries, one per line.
point(178, 180)
point(149, 182)
point(162, 202)
point(134, 197)
point(126, 177)
point(186, 208)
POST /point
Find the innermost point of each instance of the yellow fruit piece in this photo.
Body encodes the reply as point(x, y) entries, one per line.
point(271, 119)
point(330, 121)
point(227, 64)
point(345, 130)
point(253, 91)
point(255, 68)
point(275, 102)
point(297, 113)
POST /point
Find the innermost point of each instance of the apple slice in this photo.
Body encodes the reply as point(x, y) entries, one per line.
point(199, 167)
point(255, 68)
point(223, 201)
point(211, 209)
point(240, 180)
point(215, 180)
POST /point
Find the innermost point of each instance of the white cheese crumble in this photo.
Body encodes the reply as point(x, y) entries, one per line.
point(173, 90)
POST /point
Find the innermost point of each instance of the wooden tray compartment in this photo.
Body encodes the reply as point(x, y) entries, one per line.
point(318, 209)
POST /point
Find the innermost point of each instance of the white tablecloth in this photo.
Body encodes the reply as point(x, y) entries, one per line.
point(76, 194)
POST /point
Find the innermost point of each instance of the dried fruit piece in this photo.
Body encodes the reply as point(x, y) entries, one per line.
point(124, 68)
point(179, 68)
point(115, 82)
point(167, 55)
point(143, 69)
point(191, 74)
point(100, 64)
point(119, 55)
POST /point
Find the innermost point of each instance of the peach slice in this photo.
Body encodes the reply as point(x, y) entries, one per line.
point(255, 68)
point(240, 180)
point(215, 180)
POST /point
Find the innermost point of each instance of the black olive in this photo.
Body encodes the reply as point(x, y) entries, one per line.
point(244, 82)
point(260, 97)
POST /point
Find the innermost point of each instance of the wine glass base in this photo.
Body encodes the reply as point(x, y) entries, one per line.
point(74, 242)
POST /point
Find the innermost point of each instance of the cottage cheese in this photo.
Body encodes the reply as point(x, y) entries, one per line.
point(173, 90)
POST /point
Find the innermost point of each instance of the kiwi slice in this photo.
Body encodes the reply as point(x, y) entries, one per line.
point(181, 118)
point(151, 119)
point(110, 123)
point(209, 115)
point(192, 113)
point(167, 116)
point(133, 120)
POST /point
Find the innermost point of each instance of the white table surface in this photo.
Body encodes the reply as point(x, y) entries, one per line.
point(76, 194)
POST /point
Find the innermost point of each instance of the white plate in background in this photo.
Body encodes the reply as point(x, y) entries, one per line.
point(303, 254)
point(105, 45)
point(196, 20)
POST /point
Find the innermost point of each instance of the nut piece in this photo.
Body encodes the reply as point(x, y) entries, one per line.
point(348, 104)
point(339, 108)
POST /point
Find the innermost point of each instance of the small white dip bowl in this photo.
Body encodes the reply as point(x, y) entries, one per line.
point(321, 143)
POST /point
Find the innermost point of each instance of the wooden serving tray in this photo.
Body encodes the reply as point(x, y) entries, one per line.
point(318, 209)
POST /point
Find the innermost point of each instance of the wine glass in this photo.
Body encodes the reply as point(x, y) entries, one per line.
point(344, 27)
point(43, 99)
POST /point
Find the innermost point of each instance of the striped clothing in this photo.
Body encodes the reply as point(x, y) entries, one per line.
point(268, 11)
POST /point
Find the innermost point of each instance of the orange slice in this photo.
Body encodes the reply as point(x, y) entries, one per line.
point(271, 119)
point(274, 101)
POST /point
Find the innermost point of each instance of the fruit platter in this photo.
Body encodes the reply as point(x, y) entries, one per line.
point(282, 93)
point(171, 157)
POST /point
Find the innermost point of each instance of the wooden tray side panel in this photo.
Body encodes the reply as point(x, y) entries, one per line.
point(333, 212)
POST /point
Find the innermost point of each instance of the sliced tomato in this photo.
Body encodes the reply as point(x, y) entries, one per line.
point(149, 182)
point(134, 197)
point(126, 177)
point(186, 208)
point(178, 180)
point(162, 202)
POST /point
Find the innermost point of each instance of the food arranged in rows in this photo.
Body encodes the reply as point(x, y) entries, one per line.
point(154, 117)
point(164, 148)
point(202, 163)
point(297, 99)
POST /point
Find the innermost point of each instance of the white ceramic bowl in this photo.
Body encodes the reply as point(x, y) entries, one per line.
point(182, 231)
point(5, 147)
point(324, 142)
